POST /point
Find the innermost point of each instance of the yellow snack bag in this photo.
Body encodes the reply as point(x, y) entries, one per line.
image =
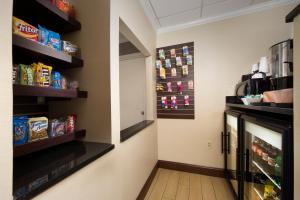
point(24, 29)
point(43, 75)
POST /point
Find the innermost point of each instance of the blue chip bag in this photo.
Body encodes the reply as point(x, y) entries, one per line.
point(20, 128)
point(54, 40)
point(56, 80)
point(43, 35)
point(49, 38)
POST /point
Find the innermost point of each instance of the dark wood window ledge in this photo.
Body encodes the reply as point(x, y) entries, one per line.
point(36, 172)
point(133, 130)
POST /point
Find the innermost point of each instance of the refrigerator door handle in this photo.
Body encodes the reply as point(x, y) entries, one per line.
point(222, 142)
point(228, 142)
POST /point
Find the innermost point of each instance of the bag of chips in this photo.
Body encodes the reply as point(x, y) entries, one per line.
point(24, 29)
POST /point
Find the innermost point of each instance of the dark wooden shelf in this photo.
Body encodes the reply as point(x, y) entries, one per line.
point(269, 109)
point(26, 90)
point(26, 50)
point(46, 143)
point(133, 130)
point(45, 13)
point(294, 13)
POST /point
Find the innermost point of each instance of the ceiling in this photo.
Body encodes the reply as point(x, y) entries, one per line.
point(164, 14)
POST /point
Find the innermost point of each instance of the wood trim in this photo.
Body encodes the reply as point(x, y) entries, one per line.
point(209, 171)
point(147, 185)
point(294, 13)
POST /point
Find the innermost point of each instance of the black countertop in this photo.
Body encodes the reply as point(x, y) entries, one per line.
point(37, 172)
point(132, 130)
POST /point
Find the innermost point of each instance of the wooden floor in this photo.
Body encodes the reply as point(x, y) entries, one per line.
point(175, 185)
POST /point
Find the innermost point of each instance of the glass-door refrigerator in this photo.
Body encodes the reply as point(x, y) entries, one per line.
point(268, 159)
point(231, 149)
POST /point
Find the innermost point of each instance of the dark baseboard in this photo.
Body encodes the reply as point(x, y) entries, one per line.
point(209, 171)
point(147, 185)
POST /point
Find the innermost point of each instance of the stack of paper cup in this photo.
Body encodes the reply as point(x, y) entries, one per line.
point(263, 65)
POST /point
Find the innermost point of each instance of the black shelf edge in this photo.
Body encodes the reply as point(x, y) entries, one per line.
point(27, 90)
point(45, 13)
point(294, 13)
point(29, 51)
point(52, 166)
point(269, 109)
point(32, 147)
point(133, 130)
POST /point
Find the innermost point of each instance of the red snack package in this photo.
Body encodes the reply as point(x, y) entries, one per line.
point(71, 120)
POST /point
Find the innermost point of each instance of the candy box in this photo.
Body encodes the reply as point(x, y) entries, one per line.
point(57, 127)
point(71, 120)
point(24, 29)
point(38, 128)
point(20, 129)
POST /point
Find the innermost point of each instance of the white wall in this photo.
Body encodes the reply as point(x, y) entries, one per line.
point(223, 52)
point(132, 91)
point(297, 107)
point(5, 100)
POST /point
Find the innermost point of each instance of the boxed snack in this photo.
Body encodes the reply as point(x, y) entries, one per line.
point(20, 129)
point(43, 74)
point(57, 127)
point(38, 128)
point(24, 29)
point(71, 120)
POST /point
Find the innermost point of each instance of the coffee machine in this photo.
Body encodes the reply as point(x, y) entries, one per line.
point(281, 65)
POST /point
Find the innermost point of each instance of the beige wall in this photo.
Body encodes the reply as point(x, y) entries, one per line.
point(132, 91)
point(297, 106)
point(5, 100)
point(223, 52)
point(120, 174)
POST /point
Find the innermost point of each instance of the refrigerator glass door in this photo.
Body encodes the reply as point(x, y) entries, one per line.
point(232, 133)
point(263, 148)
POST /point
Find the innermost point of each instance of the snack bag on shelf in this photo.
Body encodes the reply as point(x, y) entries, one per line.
point(174, 102)
point(56, 80)
point(173, 53)
point(24, 29)
point(20, 128)
point(23, 74)
point(185, 50)
point(38, 128)
point(189, 60)
point(43, 74)
point(185, 70)
point(66, 7)
point(49, 38)
point(57, 127)
point(16, 74)
point(70, 48)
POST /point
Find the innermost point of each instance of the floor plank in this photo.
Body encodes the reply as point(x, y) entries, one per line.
point(152, 185)
point(184, 179)
point(160, 185)
point(172, 185)
point(221, 190)
point(207, 188)
point(182, 192)
point(195, 187)
point(176, 185)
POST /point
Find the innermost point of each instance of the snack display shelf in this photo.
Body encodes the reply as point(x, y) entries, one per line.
point(26, 90)
point(266, 174)
point(44, 12)
point(25, 49)
point(46, 143)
